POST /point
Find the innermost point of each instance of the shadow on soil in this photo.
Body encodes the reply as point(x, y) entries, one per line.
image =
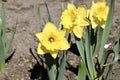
point(38, 72)
point(10, 57)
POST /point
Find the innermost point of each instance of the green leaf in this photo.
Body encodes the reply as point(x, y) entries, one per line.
point(2, 40)
point(98, 36)
point(109, 72)
point(88, 54)
point(49, 17)
point(81, 49)
point(116, 49)
point(51, 69)
point(62, 6)
point(68, 77)
point(106, 30)
point(39, 16)
point(105, 57)
point(2, 56)
point(82, 71)
point(0, 25)
point(80, 46)
point(114, 58)
point(11, 39)
point(3, 25)
point(62, 68)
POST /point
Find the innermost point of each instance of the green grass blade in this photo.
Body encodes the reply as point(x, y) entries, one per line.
point(68, 77)
point(62, 68)
point(107, 29)
point(11, 39)
point(82, 71)
point(3, 24)
point(39, 16)
point(2, 56)
point(62, 6)
point(49, 17)
point(0, 25)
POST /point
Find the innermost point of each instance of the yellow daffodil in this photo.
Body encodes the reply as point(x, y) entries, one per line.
point(51, 40)
point(98, 13)
point(74, 19)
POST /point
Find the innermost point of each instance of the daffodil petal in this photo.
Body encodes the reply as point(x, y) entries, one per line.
point(49, 27)
point(103, 26)
point(39, 36)
point(54, 54)
point(62, 32)
point(54, 46)
point(78, 30)
point(64, 44)
point(41, 50)
point(82, 10)
point(66, 19)
point(71, 7)
point(94, 25)
point(84, 22)
point(88, 13)
point(68, 31)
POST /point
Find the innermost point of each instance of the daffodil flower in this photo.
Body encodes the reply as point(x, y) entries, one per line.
point(74, 19)
point(98, 13)
point(51, 40)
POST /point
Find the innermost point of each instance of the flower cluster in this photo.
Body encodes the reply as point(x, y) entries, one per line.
point(73, 20)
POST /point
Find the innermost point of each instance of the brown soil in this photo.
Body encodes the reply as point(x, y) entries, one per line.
point(22, 65)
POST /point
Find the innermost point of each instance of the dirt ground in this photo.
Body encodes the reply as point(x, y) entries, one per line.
point(22, 65)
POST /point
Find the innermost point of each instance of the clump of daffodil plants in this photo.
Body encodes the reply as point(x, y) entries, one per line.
point(4, 46)
point(95, 23)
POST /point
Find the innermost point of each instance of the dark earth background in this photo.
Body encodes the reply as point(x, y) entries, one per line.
point(22, 65)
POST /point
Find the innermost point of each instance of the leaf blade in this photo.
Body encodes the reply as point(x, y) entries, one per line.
point(107, 29)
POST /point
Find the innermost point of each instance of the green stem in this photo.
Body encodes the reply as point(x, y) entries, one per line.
point(51, 67)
